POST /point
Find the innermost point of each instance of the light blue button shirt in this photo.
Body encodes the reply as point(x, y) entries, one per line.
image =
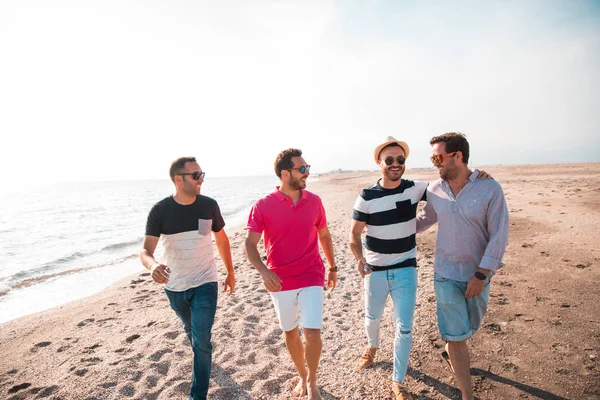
point(472, 227)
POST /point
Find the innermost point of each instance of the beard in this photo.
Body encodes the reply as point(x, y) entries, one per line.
point(297, 184)
point(190, 189)
point(393, 176)
point(448, 172)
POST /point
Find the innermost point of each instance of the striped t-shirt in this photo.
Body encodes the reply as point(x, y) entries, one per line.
point(390, 215)
point(185, 234)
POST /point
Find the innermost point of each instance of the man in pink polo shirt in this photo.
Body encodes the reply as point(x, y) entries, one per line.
point(293, 221)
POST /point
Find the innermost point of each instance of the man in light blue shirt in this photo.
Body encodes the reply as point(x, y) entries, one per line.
point(472, 218)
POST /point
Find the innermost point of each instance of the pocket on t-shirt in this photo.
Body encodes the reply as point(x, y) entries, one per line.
point(404, 211)
point(204, 226)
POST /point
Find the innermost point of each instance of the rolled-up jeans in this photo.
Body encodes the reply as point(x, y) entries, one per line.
point(401, 285)
point(196, 308)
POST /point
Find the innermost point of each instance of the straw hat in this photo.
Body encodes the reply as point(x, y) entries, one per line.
point(388, 141)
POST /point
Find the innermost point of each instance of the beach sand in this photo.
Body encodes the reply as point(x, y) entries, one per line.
point(540, 337)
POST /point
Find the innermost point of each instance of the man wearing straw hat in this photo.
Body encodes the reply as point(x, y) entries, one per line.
point(388, 211)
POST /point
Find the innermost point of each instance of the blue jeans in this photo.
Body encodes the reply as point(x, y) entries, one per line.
point(401, 284)
point(196, 308)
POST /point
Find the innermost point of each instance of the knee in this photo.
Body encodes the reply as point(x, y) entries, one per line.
point(403, 332)
point(293, 334)
point(201, 342)
point(371, 319)
point(312, 335)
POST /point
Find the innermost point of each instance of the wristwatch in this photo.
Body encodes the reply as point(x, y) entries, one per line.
point(480, 276)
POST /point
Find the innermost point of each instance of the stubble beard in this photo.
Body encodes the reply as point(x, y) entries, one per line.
point(297, 184)
point(393, 178)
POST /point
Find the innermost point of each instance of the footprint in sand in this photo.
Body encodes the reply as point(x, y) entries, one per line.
point(172, 335)
point(162, 368)
point(151, 381)
point(156, 356)
point(137, 299)
point(274, 350)
point(271, 386)
point(274, 336)
point(127, 390)
point(16, 388)
point(247, 385)
point(81, 372)
point(91, 348)
point(108, 385)
point(85, 322)
point(39, 345)
point(131, 338)
point(91, 360)
point(47, 391)
point(239, 308)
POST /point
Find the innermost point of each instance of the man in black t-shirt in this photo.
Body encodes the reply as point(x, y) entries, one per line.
point(183, 223)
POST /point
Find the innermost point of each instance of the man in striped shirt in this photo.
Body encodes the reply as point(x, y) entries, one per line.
point(388, 211)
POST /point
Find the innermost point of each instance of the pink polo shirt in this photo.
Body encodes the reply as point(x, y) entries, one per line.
point(291, 237)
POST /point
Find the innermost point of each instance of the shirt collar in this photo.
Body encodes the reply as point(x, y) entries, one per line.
point(281, 197)
point(473, 176)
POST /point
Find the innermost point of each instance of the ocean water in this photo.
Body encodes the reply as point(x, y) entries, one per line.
point(75, 239)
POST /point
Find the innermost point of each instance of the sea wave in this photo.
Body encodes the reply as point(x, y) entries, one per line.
point(77, 255)
point(238, 209)
point(33, 277)
point(117, 246)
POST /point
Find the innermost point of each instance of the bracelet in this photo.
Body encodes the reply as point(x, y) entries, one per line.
point(334, 269)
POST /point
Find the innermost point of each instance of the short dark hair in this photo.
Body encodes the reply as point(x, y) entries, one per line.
point(284, 160)
point(455, 141)
point(179, 165)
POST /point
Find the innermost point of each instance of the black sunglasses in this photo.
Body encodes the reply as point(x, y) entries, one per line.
point(303, 169)
point(195, 175)
point(389, 160)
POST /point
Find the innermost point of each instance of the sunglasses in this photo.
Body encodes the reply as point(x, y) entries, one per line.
point(195, 175)
point(303, 169)
point(438, 158)
point(389, 160)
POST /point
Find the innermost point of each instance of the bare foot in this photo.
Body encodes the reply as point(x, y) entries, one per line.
point(300, 389)
point(313, 392)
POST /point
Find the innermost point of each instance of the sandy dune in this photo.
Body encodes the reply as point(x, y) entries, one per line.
point(540, 338)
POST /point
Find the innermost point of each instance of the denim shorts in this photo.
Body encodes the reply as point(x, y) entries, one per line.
point(458, 316)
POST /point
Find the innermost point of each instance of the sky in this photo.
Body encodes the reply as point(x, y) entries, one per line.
point(117, 89)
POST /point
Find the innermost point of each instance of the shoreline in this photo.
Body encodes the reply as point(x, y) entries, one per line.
point(539, 338)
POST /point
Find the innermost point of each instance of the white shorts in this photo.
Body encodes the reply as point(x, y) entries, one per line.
point(299, 306)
